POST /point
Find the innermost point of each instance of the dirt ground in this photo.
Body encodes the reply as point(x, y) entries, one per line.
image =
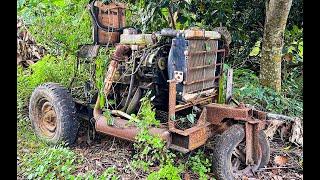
point(107, 151)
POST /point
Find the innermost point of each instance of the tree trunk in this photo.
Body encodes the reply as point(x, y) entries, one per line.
point(270, 64)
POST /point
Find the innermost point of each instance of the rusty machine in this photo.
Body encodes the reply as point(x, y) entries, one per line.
point(182, 69)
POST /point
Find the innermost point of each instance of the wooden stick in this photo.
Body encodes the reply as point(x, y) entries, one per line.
point(282, 167)
point(279, 117)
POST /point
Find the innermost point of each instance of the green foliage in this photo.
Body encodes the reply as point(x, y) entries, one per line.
point(53, 162)
point(48, 69)
point(294, 43)
point(248, 90)
point(101, 64)
point(200, 165)
point(166, 172)
point(151, 150)
point(256, 49)
point(110, 173)
point(146, 115)
point(60, 26)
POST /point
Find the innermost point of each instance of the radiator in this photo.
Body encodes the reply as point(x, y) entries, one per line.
point(196, 65)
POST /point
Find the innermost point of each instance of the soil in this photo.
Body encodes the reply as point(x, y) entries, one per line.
point(106, 151)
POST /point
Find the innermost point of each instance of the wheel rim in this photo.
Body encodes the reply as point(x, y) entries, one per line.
point(238, 161)
point(47, 119)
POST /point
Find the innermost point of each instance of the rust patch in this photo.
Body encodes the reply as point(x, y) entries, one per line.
point(122, 130)
point(197, 138)
point(216, 113)
point(112, 15)
point(172, 103)
point(253, 150)
point(48, 119)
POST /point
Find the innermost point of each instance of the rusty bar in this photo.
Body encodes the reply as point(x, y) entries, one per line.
point(122, 130)
point(203, 117)
point(117, 56)
point(112, 68)
point(201, 80)
point(194, 53)
point(195, 102)
point(204, 66)
point(172, 103)
point(105, 7)
point(218, 112)
point(252, 143)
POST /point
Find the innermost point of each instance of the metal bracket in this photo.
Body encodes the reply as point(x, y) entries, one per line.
point(229, 85)
point(178, 76)
point(253, 150)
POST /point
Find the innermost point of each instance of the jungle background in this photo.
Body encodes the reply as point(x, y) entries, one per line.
point(49, 33)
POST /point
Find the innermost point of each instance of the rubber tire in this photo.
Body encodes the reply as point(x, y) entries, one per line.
point(224, 146)
point(62, 102)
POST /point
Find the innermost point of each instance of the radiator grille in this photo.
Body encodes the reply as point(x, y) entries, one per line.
point(201, 59)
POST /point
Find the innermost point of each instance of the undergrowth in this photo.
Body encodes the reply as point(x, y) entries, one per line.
point(288, 102)
point(168, 171)
point(60, 26)
point(200, 165)
point(150, 149)
point(48, 69)
point(51, 162)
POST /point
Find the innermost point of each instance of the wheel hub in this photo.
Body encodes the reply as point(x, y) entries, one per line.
point(238, 162)
point(48, 119)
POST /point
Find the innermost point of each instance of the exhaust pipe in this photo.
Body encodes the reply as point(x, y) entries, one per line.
point(112, 68)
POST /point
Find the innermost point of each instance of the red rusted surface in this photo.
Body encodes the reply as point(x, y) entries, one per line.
point(253, 150)
point(48, 119)
point(258, 114)
point(117, 56)
point(172, 103)
point(112, 68)
point(112, 15)
point(203, 117)
point(122, 130)
point(198, 138)
point(197, 101)
point(119, 53)
point(191, 138)
point(216, 113)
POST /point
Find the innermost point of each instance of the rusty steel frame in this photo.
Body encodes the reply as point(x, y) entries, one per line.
point(215, 114)
point(253, 150)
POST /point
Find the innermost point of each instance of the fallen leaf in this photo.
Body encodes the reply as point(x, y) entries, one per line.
point(277, 177)
point(285, 131)
point(245, 178)
point(30, 62)
point(275, 171)
point(297, 132)
point(186, 176)
point(281, 160)
point(99, 164)
point(272, 128)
